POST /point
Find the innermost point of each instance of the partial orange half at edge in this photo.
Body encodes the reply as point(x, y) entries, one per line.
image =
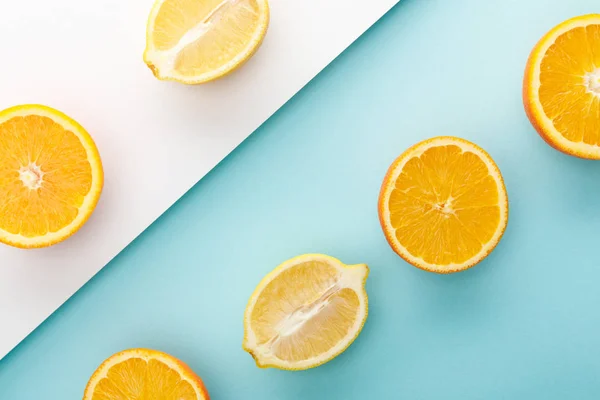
point(51, 176)
point(443, 206)
point(144, 374)
point(561, 88)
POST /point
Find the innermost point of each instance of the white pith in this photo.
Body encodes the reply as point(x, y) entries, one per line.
point(592, 81)
point(32, 176)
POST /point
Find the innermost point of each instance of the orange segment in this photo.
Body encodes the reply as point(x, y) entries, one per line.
point(144, 374)
point(561, 89)
point(443, 206)
point(50, 176)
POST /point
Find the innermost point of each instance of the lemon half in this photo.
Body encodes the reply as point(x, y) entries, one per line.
point(306, 312)
point(196, 41)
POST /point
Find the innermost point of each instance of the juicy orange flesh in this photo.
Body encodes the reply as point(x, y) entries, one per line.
point(302, 313)
point(139, 379)
point(444, 205)
point(35, 144)
point(564, 91)
point(225, 28)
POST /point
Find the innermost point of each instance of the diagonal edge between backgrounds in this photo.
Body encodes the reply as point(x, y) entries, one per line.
point(6, 351)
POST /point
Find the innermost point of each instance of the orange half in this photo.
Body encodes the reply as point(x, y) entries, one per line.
point(50, 176)
point(561, 89)
point(144, 375)
point(443, 206)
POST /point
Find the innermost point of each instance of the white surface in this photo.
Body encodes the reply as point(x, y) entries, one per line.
point(156, 139)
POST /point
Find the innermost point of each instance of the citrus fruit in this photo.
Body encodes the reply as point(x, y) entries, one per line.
point(306, 312)
point(443, 205)
point(50, 176)
point(195, 41)
point(144, 374)
point(561, 89)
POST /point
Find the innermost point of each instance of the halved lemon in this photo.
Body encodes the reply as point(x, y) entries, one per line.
point(306, 312)
point(196, 41)
point(50, 176)
point(561, 89)
point(144, 374)
point(443, 206)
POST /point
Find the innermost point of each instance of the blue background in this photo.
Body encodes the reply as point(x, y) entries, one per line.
point(522, 325)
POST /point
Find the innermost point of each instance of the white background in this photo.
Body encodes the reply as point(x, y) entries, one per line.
point(156, 139)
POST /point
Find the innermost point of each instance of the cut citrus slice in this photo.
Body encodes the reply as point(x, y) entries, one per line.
point(561, 89)
point(195, 41)
point(443, 205)
point(144, 374)
point(306, 312)
point(50, 176)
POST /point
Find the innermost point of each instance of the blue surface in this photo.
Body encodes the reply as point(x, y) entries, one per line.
point(522, 325)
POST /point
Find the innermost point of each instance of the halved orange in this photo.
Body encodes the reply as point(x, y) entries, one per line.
point(50, 176)
point(561, 89)
point(144, 374)
point(443, 206)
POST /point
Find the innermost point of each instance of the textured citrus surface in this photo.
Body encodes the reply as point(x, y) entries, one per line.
point(305, 312)
point(50, 176)
point(561, 88)
point(142, 374)
point(443, 205)
point(194, 41)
